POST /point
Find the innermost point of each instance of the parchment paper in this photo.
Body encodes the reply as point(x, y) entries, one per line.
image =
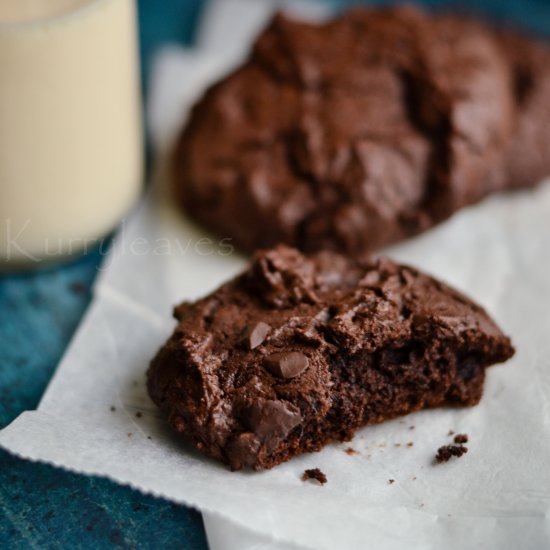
point(496, 496)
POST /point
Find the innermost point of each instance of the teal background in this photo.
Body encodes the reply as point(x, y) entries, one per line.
point(44, 507)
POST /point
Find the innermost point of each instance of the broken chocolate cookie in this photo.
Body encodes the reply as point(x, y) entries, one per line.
point(342, 343)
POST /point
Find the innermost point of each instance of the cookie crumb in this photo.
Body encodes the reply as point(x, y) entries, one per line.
point(149, 437)
point(411, 427)
point(139, 414)
point(461, 438)
point(445, 453)
point(397, 445)
point(315, 474)
point(391, 481)
point(351, 451)
point(129, 434)
point(113, 408)
point(410, 444)
point(450, 433)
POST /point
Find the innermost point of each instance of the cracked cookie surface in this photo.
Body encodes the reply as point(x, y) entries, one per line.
point(364, 130)
point(299, 351)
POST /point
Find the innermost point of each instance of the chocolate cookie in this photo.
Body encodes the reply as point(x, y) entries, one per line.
point(526, 160)
point(302, 350)
point(365, 130)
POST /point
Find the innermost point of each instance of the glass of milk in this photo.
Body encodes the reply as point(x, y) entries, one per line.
point(71, 143)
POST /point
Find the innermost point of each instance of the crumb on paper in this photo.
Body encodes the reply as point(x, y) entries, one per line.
point(450, 433)
point(391, 481)
point(445, 453)
point(149, 437)
point(139, 414)
point(113, 408)
point(411, 427)
point(351, 451)
point(461, 438)
point(397, 445)
point(129, 434)
point(315, 474)
point(410, 444)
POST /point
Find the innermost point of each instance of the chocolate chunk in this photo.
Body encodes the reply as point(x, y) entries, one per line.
point(286, 364)
point(445, 453)
point(316, 474)
point(272, 420)
point(256, 335)
point(366, 359)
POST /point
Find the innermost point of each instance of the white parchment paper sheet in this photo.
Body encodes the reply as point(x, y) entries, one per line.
point(496, 496)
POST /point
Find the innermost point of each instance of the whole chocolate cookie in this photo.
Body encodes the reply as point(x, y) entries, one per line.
point(363, 131)
point(302, 350)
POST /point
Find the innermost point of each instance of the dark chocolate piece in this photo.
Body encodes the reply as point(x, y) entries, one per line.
point(256, 335)
point(286, 364)
point(364, 130)
point(271, 420)
point(445, 453)
point(352, 342)
point(316, 474)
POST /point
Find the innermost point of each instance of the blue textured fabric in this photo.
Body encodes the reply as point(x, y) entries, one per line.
point(165, 21)
point(43, 507)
